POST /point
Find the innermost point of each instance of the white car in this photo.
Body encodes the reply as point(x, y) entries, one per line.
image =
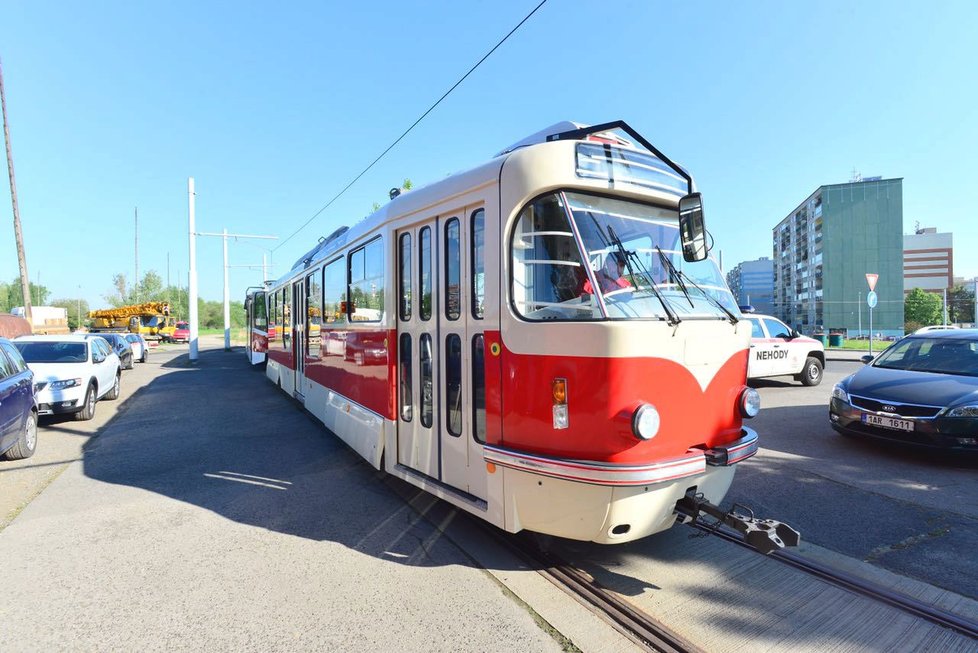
point(71, 373)
point(936, 327)
point(139, 347)
point(778, 350)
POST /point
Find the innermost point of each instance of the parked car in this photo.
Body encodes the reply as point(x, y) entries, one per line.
point(18, 411)
point(181, 333)
point(923, 390)
point(140, 350)
point(935, 327)
point(778, 350)
point(119, 345)
point(71, 373)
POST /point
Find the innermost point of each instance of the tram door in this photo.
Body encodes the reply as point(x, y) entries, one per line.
point(435, 329)
point(298, 337)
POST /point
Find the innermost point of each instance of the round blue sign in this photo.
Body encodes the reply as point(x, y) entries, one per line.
point(871, 299)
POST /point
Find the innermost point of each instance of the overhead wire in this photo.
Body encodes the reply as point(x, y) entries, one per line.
point(413, 125)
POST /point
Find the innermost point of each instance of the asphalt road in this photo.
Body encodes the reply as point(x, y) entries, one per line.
point(907, 511)
point(203, 510)
point(226, 528)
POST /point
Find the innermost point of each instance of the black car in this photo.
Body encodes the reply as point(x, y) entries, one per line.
point(119, 345)
point(923, 390)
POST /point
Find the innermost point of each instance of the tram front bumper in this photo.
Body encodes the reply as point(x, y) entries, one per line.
point(610, 503)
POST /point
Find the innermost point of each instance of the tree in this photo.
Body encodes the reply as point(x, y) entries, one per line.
point(151, 287)
point(961, 304)
point(75, 307)
point(11, 295)
point(119, 296)
point(921, 308)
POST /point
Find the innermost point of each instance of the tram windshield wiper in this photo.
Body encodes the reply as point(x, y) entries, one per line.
point(680, 276)
point(631, 262)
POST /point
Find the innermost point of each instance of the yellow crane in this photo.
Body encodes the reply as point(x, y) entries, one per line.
point(152, 320)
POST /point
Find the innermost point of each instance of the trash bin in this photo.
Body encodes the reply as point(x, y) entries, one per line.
point(821, 337)
point(836, 339)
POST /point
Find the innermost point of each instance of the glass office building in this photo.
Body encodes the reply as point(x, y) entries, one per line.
point(752, 284)
point(825, 247)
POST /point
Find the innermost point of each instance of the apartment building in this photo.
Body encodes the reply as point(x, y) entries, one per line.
point(823, 249)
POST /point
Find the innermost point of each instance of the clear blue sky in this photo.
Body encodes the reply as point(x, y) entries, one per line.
point(272, 110)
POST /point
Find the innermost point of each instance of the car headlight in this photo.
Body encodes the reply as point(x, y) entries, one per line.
point(838, 392)
point(962, 411)
point(61, 384)
point(645, 422)
point(750, 402)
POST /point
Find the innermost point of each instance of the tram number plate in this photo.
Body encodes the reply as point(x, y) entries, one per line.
point(888, 422)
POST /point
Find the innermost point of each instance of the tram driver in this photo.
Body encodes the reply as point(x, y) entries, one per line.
point(611, 275)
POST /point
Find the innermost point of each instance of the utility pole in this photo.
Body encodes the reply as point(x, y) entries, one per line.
point(25, 281)
point(136, 279)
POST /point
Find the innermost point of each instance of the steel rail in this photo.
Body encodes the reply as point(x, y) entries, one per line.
point(855, 584)
point(638, 626)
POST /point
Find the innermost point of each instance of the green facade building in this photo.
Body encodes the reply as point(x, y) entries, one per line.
point(825, 247)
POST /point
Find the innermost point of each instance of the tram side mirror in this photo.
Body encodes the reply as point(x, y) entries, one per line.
point(692, 229)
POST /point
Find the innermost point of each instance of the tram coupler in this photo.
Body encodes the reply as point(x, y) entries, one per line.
point(765, 535)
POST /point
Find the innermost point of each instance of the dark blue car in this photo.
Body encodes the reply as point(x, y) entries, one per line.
point(923, 390)
point(18, 412)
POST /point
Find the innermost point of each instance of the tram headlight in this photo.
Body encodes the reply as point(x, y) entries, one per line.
point(750, 403)
point(645, 422)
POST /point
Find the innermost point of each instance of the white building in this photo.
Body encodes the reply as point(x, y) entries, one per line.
point(928, 260)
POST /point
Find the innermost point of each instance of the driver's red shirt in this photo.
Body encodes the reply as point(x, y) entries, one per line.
point(607, 284)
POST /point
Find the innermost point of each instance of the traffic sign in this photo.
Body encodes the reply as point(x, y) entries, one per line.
point(871, 298)
point(871, 280)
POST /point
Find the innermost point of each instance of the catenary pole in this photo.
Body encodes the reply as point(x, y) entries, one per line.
point(25, 281)
point(227, 297)
point(192, 280)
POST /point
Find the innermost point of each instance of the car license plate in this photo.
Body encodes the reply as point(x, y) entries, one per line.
point(888, 422)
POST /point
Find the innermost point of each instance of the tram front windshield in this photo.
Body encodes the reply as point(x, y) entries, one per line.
point(586, 257)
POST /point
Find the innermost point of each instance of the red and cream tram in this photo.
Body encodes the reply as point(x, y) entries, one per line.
point(467, 338)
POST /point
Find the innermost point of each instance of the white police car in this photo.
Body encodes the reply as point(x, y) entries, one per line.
point(778, 350)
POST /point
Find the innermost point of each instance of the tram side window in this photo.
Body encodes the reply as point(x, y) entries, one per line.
point(453, 381)
point(367, 282)
point(453, 270)
point(548, 274)
point(314, 313)
point(404, 265)
point(424, 272)
point(287, 317)
point(274, 333)
point(478, 258)
point(334, 288)
point(260, 310)
point(479, 388)
point(427, 381)
point(407, 395)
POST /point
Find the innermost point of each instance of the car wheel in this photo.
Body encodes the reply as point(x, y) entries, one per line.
point(88, 410)
point(116, 387)
point(812, 372)
point(26, 445)
point(143, 359)
point(129, 365)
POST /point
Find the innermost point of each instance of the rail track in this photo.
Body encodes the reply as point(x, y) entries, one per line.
point(855, 584)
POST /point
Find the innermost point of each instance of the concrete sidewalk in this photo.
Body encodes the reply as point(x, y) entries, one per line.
point(211, 512)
